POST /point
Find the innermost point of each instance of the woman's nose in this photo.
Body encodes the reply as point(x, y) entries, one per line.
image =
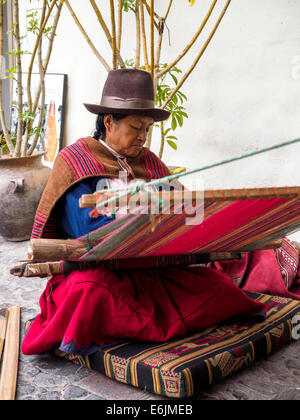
point(142, 135)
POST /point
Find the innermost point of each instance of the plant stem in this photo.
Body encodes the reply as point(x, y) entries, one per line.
point(36, 46)
point(149, 137)
point(120, 15)
point(161, 29)
point(107, 32)
point(149, 12)
point(48, 55)
point(162, 144)
point(159, 45)
point(168, 10)
point(2, 113)
point(29, 124)
point(138, 36)
point(152, 37)
point(98, 55)
point(43, 90)
point(113, 38)
point(101, 21)
point(191, 43)
point(144, 35)
point(19, 79)
point(175, 90)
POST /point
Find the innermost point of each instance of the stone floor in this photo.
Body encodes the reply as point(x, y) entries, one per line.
point(51, 378)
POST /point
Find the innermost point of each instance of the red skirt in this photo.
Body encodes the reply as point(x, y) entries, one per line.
point(91, 308)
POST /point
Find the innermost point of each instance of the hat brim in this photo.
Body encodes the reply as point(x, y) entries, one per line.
point(156, 113)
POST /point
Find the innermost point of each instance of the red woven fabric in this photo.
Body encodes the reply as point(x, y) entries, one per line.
point(261, 272)
point(97, 306)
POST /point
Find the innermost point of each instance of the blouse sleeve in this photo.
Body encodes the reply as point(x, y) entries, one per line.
point(75, 221)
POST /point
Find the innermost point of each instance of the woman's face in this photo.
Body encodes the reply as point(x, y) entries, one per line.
point(128, 135)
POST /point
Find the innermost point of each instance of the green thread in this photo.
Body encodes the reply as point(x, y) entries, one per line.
point(130, 190)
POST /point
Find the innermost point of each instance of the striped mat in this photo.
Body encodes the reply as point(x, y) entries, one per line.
point(184, 366)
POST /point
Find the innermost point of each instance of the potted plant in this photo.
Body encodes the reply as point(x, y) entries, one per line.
point(23, 176)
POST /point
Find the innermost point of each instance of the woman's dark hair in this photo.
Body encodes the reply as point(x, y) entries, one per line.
point(100, 127)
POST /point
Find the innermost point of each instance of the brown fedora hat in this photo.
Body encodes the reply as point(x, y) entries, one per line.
point(128, 91)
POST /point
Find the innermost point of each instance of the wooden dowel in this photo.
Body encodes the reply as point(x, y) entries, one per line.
point(8, 381)
point(90, 200)
point(36, 269)
point(54, 249)
point(3, 325)
point(271, 245)
point(47, 249)
point(42, 269)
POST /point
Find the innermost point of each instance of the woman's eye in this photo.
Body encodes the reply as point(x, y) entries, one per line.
point(135, 128)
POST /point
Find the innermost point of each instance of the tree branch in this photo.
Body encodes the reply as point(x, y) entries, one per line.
point(120, 21)
point(106, 30)
point(152, 37)
point(113, 32)
point(138, 35)
point(48, 55)
point(144, 35)
point(19, 78)
point(2, 113)
point(98, 55)
point(191, 43)
point(42, 104)
point(168, 10)
point(175, 90)
point(36, 46)
point(149, 12)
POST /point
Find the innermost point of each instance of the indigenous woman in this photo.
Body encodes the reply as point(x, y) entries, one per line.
point(84, 310)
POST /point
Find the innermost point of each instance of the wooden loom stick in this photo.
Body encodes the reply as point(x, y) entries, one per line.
point(3, 325)
point(8, 381)
point(42, 269)
point(36, 269)
point(72, 249)
point(52, 249)
point(90, 200)
point(48, 251)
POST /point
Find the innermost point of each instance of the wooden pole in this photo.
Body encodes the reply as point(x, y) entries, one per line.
point(8, 381)
point(54, 249)
point(90, 200)
point(3, 325)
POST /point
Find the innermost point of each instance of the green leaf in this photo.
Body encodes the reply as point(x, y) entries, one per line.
point(172, 144)
point(179, 119)
point(174, 78)
point(173, 123)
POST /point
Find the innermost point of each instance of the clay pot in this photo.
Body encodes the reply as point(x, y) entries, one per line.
point(22, 181)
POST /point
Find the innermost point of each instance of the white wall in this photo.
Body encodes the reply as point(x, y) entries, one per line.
point(243, 95)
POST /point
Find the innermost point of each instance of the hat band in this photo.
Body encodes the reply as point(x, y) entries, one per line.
point(130, 103)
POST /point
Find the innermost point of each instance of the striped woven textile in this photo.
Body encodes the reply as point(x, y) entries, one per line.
point(183, 367)
point(83, 159)
point(224, 226)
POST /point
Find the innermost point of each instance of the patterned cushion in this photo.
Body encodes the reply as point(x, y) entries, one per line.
point(184, 366)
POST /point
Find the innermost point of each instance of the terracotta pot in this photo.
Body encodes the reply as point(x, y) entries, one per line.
point(22, 181)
